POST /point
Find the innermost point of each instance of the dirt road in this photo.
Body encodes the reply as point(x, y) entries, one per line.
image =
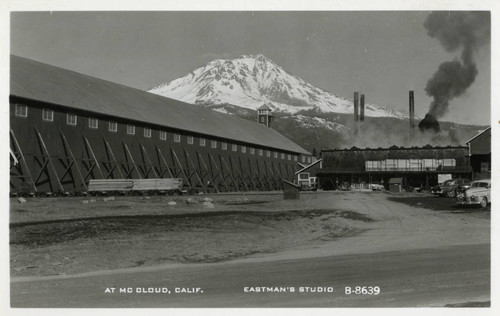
point(405, 279)
point(419, 250)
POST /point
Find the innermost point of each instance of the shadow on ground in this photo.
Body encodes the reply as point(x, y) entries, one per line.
point(436, 203)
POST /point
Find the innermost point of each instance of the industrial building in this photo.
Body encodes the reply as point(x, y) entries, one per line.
point(480, 154)
point(67, 128)
point(417, 166)
point(409, 167)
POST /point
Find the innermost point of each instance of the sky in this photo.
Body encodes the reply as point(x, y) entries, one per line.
point(382, 54)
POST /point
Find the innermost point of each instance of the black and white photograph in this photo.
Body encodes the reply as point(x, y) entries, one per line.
point(250, 158)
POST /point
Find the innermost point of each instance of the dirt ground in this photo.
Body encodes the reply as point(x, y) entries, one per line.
point(51, 236)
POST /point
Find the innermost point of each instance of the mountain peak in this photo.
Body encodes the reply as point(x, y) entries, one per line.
point(259, 57)
point(252, 80)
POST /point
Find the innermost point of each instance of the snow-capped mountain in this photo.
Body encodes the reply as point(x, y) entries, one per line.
point(250, 81)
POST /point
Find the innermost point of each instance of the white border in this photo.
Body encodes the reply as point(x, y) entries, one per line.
point(7, 6)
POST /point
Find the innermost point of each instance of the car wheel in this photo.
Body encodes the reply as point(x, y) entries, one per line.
point(484, 202)
point(451, 194)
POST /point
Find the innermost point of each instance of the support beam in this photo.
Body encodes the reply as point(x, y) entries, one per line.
point(182, 170)
point(279, 172)
point(248, 174)
point(194, 171)
point(255, 174)
point(148, 166)
point(273, 176)
point(129, 157)
point(72, 162)
point(202, 164)
point(162, 160)
point(239, 175)
point(263, 173)
point(112, 162)
point(48, 163)
point(224, 164)
point(219, 173)
point(93, 163)
point(21, 166)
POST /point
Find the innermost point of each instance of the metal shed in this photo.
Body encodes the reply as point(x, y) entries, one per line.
point(396, 184)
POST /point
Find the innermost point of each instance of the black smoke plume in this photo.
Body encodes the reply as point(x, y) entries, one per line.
point(464, 31)
point(429, 123)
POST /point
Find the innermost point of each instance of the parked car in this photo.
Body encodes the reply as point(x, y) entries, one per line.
point(344, 186)
point(449, 187)
point(423, 188)
point(479, 193)
point(376, 187)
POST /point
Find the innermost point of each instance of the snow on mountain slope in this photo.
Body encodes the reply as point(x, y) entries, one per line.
point(250, 81)
point(313, 122)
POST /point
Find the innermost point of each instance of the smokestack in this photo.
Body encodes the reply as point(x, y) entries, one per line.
point(362, 108)
point(356, 104)
point(412, 110)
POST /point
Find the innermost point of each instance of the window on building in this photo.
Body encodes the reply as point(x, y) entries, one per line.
point(268, 153)
point(262, 119)
point(224, 146)
point(47, 115)
point(449, 162)
point(213, 143)
point(190, 140)
point(261, 152)
point(93, 122)
point(295, 158)
point(21, 110)
point(130, 129)
point(252, 151)
point(303, 158)
point(177, 138)
point(163, 135)
point(70, 119)
point(147, 132)
point(275, 154)
point(289, 157)
point(282, 156)
point(113, 127)
point(308, 159)
point(234, 147)
point(202, 141)
point(243, 149)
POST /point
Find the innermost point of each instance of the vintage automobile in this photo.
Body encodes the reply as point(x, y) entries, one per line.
point(479, 193)
point(344, 186)
point(449, 187)
point(376, 187)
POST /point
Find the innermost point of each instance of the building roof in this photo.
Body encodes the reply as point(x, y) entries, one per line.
point(393, 148)
point(42, 82)
point(395, 180)
point(488, 129)
point(264, 107)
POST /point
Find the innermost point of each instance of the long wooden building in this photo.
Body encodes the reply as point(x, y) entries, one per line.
point(67, 128)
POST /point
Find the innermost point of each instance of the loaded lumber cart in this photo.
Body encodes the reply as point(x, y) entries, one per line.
point(165, 185)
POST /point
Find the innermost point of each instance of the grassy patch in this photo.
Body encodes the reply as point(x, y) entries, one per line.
point(80, 245)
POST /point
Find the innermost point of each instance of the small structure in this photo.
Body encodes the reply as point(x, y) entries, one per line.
point(480, 154)
point(304, 179)
point(291, 191)
point(396, 184)
point(264, 115)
